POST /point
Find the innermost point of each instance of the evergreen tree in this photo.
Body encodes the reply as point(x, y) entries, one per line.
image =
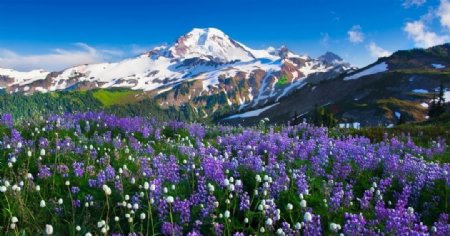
point(441, 101)
point(295, 120)
point(323, 117)
point(438, 107)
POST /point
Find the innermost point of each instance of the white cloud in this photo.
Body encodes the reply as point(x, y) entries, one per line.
point(422, 37)
point(443, 13)
point(410, 3)
point(377, 51)
point(355, 35)
point(324, 41)
point(57, 59)
point(419, 32)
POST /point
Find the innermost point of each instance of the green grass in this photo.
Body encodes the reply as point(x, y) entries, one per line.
point(390, 105)
point(115, 97)
point(282, 81)
point(422, 71)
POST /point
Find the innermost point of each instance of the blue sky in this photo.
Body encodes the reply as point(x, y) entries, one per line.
point(55, 34)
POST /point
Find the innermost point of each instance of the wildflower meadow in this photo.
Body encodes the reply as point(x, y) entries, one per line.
point(99, 174)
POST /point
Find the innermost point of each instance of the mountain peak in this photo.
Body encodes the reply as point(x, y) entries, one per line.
point(207, 31)
point(209, 43)
point(330, 58)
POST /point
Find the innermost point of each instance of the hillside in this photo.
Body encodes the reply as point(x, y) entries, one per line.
point(379, 94)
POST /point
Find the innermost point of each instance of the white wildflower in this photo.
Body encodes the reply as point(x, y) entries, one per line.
point(307, 217)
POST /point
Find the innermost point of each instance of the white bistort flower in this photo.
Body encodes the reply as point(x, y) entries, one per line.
point(289, 207)
point(107, 189)
point(48, 229)
point(262, 230)
point(303, 203)
point(307, 217)
point(169, 199)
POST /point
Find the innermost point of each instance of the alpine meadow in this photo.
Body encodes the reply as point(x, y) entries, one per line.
point(133, 118)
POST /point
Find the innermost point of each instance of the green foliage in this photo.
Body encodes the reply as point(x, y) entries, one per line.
point(321, 116)
point(41, 104)
point(117, 101)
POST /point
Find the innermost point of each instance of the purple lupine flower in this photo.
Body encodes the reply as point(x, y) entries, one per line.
point(218, 228)
point(7, 120)
point(44, 172)
point(74, 189)
point(184, 209)
point(244, 204)
point(168, 228)
point(76, 203)
point(78, 168)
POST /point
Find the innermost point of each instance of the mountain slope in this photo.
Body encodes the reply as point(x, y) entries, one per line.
point(203, 68)
point(379, 94)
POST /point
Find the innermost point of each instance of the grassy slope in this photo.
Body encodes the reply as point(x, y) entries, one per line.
point(115, 97)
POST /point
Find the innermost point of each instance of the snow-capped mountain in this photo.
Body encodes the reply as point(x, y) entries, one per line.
point(204, 67)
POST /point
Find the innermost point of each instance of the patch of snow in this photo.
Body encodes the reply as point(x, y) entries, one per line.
point(424, 104)
point(313, 67)
point(253, 113)
point(438, 66)
point(164, 90)
point(40, 89)
point(378, 68)
point(24, 78)
point(420, 91)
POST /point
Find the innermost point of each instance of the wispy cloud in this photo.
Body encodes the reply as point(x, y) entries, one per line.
point(377, 51)
point(411, 3)
point(324, 41)
point(57, 59)
point(355, 34)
